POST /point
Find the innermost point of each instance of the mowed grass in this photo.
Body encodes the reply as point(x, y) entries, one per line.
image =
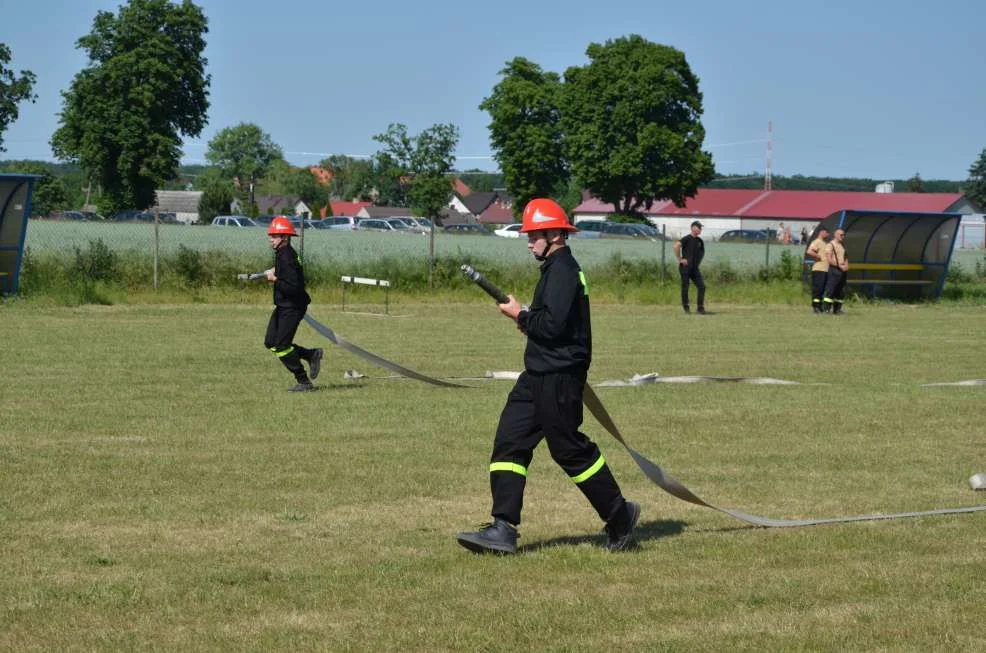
point(159, 489)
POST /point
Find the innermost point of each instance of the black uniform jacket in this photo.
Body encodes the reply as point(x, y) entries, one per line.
point(559, 336)
point(693, 249)
point(289, 289)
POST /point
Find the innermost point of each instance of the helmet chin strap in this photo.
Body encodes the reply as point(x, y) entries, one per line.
point(547, 249)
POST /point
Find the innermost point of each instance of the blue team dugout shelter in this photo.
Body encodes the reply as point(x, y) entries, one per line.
point(15, 208)
point(896, 255)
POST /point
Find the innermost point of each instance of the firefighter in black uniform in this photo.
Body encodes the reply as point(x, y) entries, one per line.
point(290, 303)
point(546, 401)
point(690, 251)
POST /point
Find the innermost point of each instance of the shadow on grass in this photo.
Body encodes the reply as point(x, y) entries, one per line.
point(649, 530)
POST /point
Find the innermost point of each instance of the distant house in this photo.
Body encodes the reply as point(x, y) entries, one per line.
point(497, 213)
point(383, 212)
point(451, 216)
point(183, 203)
point(273, 205)
point(456, 204)
point(722, 210)
point(340, 207)
point(461, 188)
point(492, 207)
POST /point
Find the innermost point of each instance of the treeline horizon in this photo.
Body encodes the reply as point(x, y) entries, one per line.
point(480, 180)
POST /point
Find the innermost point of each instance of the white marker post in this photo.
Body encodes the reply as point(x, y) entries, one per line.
point(382, 283)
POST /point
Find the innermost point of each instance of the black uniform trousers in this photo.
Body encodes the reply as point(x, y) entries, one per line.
point(689, 273)
point(281, 329)
point(835, 289)
point(548, 407)
point(818, 279)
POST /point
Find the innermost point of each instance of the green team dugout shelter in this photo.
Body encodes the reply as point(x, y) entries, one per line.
point(15, 208)
point(896, 255)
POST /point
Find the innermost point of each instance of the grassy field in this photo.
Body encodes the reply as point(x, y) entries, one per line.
point(161, 491)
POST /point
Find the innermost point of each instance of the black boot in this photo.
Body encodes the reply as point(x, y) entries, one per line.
point(302, 386)
point(495, 537)
point(315, 363)
point(619, 530)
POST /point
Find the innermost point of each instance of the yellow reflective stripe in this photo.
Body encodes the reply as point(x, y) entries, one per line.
point(282, 353)
point(596, 466)
point(585, 282)
point(508, 467)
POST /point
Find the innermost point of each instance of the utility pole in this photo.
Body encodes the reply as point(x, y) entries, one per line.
point(768, 183)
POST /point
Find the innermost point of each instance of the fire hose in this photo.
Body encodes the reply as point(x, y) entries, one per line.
point(650, 469)
point(678, 490)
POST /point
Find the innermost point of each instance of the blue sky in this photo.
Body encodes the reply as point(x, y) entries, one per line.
point(853, 88)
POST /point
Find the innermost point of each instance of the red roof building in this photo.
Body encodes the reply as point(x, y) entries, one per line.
point(721, 209)
point(340, 207)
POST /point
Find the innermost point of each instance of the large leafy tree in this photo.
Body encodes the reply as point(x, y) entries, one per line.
point(145, 88)
point(352, 179)
point(525, 131)
point(287, 180)
point(217, 194)
point(13, 91)
point(915, 184)
point(244, 152)
point(421, 165)
point(631, 124)
point(975, 186)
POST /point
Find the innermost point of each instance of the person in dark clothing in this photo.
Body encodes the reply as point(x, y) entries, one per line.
point(690, 251)
point(546, 401)
point(290, 303)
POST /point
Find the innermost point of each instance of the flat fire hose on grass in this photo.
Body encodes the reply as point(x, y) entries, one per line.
point(676, 488)
point(336, 339)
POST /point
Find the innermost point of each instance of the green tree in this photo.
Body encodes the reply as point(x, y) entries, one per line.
point(480, 181)
point(244, 152)
point(13, 91)
point(217, 195)
point(631, 124)
point(915, 184)
point(145, 88)
point(421, 164)
point(352, 179)
point(289, 181)
point(975, 186)
point(525, 132)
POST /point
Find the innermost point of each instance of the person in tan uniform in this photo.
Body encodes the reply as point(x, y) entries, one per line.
point(835, 283)
point(819, 268)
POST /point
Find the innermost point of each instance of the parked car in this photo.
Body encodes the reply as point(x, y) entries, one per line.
point(233, 221)
point(588, 228)
point(509, 231)
point(345, 222)
point(474, 229)
point(84, 216)
point(743, 236)
point(629, 230)
point(381, 224)
point(264, 220)
point(415, 224)
point(423, 223)
point(144, 216)
point(296, 221)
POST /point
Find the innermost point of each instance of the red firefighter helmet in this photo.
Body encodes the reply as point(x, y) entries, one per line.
point(542, 214)
point(281, 226)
